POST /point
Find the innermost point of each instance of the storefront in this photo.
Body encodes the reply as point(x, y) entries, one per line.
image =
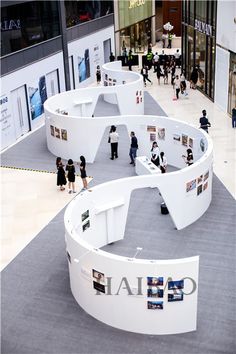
point(134, 25)
point(232, 83)
point(198, 42)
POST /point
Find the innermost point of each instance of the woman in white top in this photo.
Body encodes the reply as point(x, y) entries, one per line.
point(163, 162)
point(155, 152)
point(113, 138)
point(177, 86)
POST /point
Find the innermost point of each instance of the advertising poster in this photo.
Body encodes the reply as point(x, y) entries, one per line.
point(7, 128)
point(84, 66)
point(37, 97)
point(96, 55)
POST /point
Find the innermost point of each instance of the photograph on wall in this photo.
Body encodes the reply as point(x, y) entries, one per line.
point(86, 225)
point(175, 284)
point(191, 185)
point(151, 128)
point(155, 305)
point(64, 134)
point(199, 180)
point(106, 76)
point(190, 143)
point(57, 133)
point(205, 186)
point(85, 215)
point(154, 292)
point(161, 133)
point(136, 93)
point(84, 66)
point(98, 275)
point(202, 144)
point(99, 287)
point(176, 138)
point(199, 189)
point(153, 137)
point(123, 82)
point(141, 99)
point(52, 130)
point(140, 93)
point(154, 281)
point(176, 297)
point(184, 140)
point(206, 175)
point(137, 99)
point(37, 97)
point(68, 256)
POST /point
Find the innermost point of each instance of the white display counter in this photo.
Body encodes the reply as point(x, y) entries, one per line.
point(144, 166)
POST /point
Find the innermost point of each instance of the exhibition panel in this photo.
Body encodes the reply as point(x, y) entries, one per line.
point(121, 291)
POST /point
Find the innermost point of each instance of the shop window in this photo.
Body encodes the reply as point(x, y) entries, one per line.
point(200, 58)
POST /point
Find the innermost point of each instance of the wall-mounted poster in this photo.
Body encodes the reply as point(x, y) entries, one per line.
point(98, 275)
point(199, 180)
point(190, 143)
point(199, 189)
point(37, 97)
point(84, 66)
point(52, 130)
point(154, 292)
point(153, 137)
point(184, 140)
point(137, 99)
point(191, 185)
point(123, 82)
point(151, 128)
point(155, 305)
point(85, 215)
point(176, 138)
point(99, 287)
point(64, 134)
point(57, 133)
point(106, 76)
point(161, 133)
point(205, 186)
point(176, 297)
point(206, 175)
point(202, 144)
point(136, 93)
point(175, 284)
point(154, 281)
point(86, 225)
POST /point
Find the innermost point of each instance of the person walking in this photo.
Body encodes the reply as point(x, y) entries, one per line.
point(155, 152)
point(163, 162)
point(158, 73)
point(177, 56)
point(204, 122)
point(144, 72)
point(155, 62)
point(165, 73)
point(130, 60)
point(133, 148)
point(114, 137)
point(189, 158)
point(170, 36)
point(70, 168)
point(149, 58)
point(61, 177)
point(234, 117)
point(83, 174)
point(194, 78)
point(112, 57)
point(177, 86)
point(183, 84)
point(98, 74)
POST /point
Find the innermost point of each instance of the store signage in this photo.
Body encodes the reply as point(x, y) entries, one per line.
point(9, 25)
point(203, 27)
point(136, 3)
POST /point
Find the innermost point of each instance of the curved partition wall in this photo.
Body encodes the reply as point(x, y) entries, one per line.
point(114, 289)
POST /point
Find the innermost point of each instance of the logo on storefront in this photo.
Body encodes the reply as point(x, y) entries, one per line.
point(203, 27)
point(9, 25)
point(136, 3)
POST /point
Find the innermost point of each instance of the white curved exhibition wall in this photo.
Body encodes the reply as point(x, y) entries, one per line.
point(106, 206)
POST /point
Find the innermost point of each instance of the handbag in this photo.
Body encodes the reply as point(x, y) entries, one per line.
point(109, 140)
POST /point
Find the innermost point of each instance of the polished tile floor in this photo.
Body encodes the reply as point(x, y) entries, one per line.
point(24, 194)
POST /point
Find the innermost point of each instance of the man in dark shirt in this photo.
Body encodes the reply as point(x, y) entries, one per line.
point(133, 148)
point(204, 122)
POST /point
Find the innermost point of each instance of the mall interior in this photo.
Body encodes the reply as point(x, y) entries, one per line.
point(53, 297)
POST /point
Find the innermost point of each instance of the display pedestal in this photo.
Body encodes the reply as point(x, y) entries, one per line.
point(144, 166)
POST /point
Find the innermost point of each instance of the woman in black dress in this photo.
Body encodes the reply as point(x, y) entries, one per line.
point(189, 158)
point(71, 175)
point(61, 178)
point(83, 174)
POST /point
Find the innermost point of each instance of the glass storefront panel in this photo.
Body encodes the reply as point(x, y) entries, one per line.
point(200, 59)
point(232, 83)
point(28, 23)
point(201, 10)
point(190, 51)
point(131, 12)
point(82, 11)
point(136, 37)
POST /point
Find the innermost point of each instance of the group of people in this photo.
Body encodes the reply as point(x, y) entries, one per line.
point(68, 173)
